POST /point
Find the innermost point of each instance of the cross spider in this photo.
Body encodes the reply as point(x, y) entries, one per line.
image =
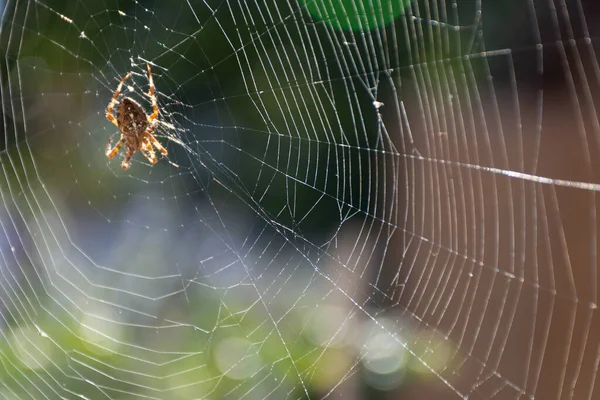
point(135, 125)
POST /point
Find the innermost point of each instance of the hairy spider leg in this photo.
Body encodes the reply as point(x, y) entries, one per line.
point(154, 114)
point(114, 101)
point(156, 143)
point(128, 154)
point(111, 153)
point(148, 151)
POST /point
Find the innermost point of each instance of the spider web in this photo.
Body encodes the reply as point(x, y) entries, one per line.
point(361, 198)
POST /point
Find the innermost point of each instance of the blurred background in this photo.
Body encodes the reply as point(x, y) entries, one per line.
point(386, 199)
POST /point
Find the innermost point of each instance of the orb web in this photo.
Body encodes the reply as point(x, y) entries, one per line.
point(360, 198)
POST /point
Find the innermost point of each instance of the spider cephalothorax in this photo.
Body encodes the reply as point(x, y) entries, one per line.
point(135, 125)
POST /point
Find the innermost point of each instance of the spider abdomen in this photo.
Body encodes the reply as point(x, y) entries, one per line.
point(131, 117)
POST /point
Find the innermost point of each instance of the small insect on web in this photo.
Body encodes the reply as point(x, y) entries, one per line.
point(135, 125)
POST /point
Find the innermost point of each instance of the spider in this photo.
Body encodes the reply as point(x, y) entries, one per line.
point(135, 125)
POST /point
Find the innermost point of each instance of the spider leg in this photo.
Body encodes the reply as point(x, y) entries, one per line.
point(128, 154)
point(111, 153)
point(148, 151)
point(113, 101)
point(156, 143)
point(154, 114)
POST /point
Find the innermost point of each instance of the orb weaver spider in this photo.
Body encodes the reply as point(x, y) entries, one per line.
point(135, 125)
